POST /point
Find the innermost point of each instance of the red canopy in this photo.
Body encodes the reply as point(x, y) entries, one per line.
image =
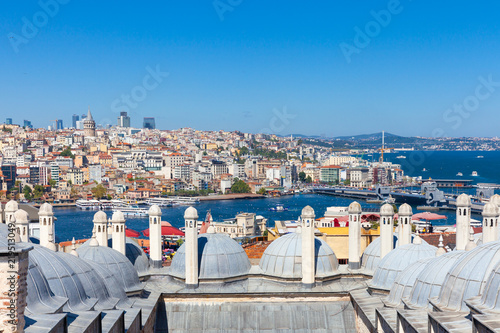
point(428, 216)
point(131, 233)
point(166, 230)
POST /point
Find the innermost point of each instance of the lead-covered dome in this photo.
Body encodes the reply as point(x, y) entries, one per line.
point(117, 263)
point(219, 257)
point(283, 258)
point(396, 261)
point(489, 301)
point(467, 277)
point(430, 281)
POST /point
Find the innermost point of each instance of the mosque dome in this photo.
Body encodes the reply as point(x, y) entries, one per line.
point(219, 257)
point(387, 209)
point(154, 210)
point(490, 210)
point(114, 287)
point(21, 216)
point(429, 282)
point(371, 256)
point(463, 200)
point(283, 258)
point(404, 282)
point(11, 206)
point(100, 217)
point(405, 210)
point(489, 301)
point(62, 279)
point(117, 263)
point(396, 261)
point(45, 209)
point(354, 208)
point(468, 277)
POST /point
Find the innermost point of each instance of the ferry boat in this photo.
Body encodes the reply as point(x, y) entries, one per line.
point(278, 208)
point(87, 204)
point(401, 156)
point(480, 156)
point(132, 210)
point(162, 202)
point(460, 174)
point(474, 174)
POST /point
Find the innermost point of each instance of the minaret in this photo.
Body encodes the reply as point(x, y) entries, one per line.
point(89, 125)
point(118, 235)
point(463, 221)
point(101, 228)
point(46, 221)
point(191, 244)
point(405, 214)
point(22, 224)
point(354, 235)
point(308, 254)
point(155, 242)
point(10, 208)
point(490, 222)
point(386, 229)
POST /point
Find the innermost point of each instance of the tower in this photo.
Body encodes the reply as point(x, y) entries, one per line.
point(118, 235)
point(354, 235)
point(46, 221)
point(308, 253)
point(89, 125)
point(405, 213)
point(386, 229)
point(10, 208)
point(101, 228)
point(191, 234)
point(490, 222)
point(155, 243)
point(22, 224)
point(463, 221)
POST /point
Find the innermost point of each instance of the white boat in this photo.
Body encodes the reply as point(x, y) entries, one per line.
point(424, 169)
point(131, 210)
point(474, 174)
point(460, 174)
point(480, 156)
point(87, 204)
point(162, 202)
point(401, 156)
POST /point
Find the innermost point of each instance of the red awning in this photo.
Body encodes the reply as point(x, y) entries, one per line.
point(428, 216)
point(131, 233)
point(166, 230)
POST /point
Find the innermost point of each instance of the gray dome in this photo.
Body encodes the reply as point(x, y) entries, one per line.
point(117, 263)
point(11, 206)
point(468, 276)
point(405, 210)
point(489, 301)
point(154, 210)
point(92, 282)
point(62, 279)
point(397, 260)
point(283, 257)
point(118, 216)
point(404, 282)
point(45, 209)
point(191, 213)
point(387, 210)
point(490, 210)
point(21, 216)
point(371, 256)
point(307, 211)
point(354, 208)
point(463, 200)
point(114, 287)
point(100, 217)
point(219, 257)
point(429, 282)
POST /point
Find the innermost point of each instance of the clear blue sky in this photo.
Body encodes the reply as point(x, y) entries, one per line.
point(262, 56)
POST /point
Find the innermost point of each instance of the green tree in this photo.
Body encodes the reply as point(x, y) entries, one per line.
point(262, 191)
point(67, 153)
point(52, 182)
point(309, 179)
point(27, 192)
point(38, 191)
point(99, 191)
point(240, 186)
point(302, 176)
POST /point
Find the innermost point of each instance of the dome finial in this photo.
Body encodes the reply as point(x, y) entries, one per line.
point(417, 239)
point(471, 244)
point(93, 240)
point(441, 250)
point(73, 248)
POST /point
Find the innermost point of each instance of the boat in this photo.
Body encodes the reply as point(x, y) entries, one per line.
point(401, 156)
point(390, 200)
point(480, 156)
point(132, 210)
point(424, 169)
point(476, 223)
point(87, 204)
point(474, 174)
point(278, 208)
point(460, 174)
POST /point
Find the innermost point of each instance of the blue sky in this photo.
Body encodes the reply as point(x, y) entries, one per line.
point(242, 65)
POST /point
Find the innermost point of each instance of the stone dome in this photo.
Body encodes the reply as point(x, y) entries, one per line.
point(404, 282)
point(21, 216)
point(495, 198)
point(100, 217)
point(489, 301)
point(490, 210)
point(219, 257)
point(354, 208)
point(118, 216)
point(429, 282)
point(307, 211)
point(468, 277)
point(463, 200)
point(119, 265)
point(154, 210)
point(371, 256)
point(396, 261)
point(405, 210)
point(11, 206)
point(387, 209)
point(45, 209)
point(114, 287)
point(191, 213)
point(283, 258)
point(62, 279)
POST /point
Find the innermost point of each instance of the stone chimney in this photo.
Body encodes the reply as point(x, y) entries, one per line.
point(155, 240)
point(308, 253)
point(191, 244)
point(354, 235)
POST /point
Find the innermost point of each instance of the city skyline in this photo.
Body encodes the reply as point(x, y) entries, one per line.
point(396, 66)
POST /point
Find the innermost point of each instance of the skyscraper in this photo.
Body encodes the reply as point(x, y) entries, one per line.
point(27, 124)
point(149, 123)
point(59, 124)
point(123, 119)
point(8, 121)
point(75, 119)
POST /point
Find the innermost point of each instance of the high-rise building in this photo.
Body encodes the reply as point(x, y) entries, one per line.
point(27, 124)
point(8, 121)
point(123, 119)
point(149, 123)
point(75, 119)
point(9, 175)
point(89, 125)
point(59, 124)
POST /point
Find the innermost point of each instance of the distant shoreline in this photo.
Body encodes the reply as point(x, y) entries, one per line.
point(234, 196)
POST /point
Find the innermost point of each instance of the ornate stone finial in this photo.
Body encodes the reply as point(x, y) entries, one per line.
point(211, 230)
point(73, 248)
point(441, 250)
point(93, 240)
point(471, 244)
point(417, 239)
